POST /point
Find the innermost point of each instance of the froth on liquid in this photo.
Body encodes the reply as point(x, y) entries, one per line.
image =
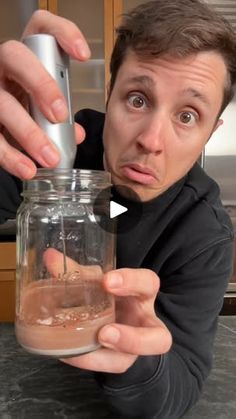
point(59, 320)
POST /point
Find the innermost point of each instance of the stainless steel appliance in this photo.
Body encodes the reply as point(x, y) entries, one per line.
point(219, 161)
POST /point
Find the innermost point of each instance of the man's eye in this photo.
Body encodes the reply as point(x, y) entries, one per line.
point(188, 118)
point(137, 101)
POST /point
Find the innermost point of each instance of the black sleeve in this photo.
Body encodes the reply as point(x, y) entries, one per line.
point(10, 199)
point(167, 386)
point(90, 151)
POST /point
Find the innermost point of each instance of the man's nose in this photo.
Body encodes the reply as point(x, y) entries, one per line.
point(151, 137)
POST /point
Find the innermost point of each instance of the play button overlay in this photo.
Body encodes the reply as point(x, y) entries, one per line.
point(116, 209)
point(122, 212)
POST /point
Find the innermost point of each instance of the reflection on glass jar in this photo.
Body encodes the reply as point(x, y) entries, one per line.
point(62, 254)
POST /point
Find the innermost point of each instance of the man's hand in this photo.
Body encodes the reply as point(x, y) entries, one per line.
point(21, 73)
point(138, 331)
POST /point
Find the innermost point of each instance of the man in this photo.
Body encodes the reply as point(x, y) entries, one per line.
point(172, 74)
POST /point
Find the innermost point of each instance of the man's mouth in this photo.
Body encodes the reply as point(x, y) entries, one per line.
point(139, 173)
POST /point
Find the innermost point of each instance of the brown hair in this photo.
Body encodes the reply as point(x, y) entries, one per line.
point(177, 28)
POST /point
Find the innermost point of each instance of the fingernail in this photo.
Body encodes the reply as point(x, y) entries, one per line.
point(110, 335)
point(82, 49)
point(25, 172)
point(115, 280)
point(59, 109)
point(50, 155)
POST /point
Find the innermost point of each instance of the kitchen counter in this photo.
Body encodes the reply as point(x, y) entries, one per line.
point(35, 387)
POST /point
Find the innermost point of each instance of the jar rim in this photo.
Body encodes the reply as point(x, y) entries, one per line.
point(67, 181)
point(42, 173)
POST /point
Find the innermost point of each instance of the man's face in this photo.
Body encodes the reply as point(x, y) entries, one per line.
point(160, 115)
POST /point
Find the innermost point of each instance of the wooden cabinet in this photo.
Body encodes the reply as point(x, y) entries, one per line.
point(14, 14)
point(7, 281)
point(97, 20)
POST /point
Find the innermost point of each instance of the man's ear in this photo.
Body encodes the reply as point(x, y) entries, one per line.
point(218, 124)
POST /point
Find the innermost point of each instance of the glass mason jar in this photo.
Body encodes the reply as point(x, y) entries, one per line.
point(65, 243)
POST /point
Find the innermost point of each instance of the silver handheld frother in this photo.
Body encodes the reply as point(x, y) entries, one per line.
point(56, 62)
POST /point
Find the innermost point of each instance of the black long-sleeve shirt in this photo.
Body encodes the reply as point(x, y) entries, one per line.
point(186, 237)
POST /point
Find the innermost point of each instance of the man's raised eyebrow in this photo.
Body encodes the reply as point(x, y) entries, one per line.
point(146, 80)
point(196, 94)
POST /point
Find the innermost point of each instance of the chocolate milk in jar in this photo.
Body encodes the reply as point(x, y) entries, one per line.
point(65, 243)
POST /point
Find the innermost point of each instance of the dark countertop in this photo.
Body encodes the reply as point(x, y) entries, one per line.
point(35, 387)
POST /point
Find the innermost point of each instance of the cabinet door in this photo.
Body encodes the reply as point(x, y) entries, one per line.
point(87, 78)
point(7, 281)
point(14, 14)
point(96, 19)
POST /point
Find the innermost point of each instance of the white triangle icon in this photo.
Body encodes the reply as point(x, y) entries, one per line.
point(116, 209)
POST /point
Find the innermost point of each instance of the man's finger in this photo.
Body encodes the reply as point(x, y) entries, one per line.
point(79, 133)
point(136, 340)
point(66, 32)
point(142, 283)
point(14, 162)
point(54, 261)
point(30, 137)
point(103, 360)
point(16, 58)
